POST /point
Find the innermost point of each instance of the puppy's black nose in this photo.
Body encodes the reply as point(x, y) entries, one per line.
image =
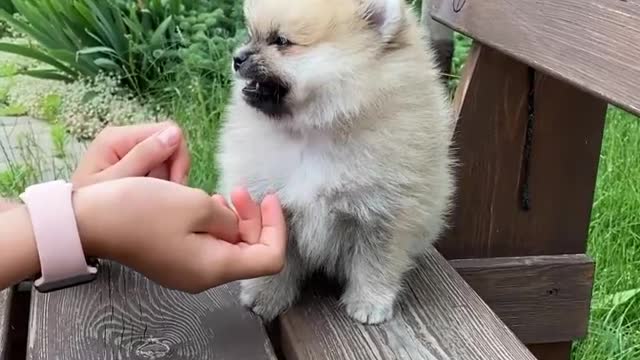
point(240, 58)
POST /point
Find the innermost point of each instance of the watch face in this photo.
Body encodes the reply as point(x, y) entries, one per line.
point(91, 275)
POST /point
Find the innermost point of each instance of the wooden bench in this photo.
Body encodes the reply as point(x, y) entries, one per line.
point(531, 106)
point(4, 322)
point(530, 125)
point(124, 316)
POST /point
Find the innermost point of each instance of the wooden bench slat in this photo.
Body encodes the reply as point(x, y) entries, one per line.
point(5, 296)
point(553, 163)
point(543, 299)
point(439, 317)
point(122, 315)
point(592, 44)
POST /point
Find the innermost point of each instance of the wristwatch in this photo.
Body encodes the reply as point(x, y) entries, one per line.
point(62, 260)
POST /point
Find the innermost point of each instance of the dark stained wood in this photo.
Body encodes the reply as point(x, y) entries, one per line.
point(592, 44)
point(124, 316)
point(439, 317)
point(489, 219)
point(542, 299)
point(5, 296)
point(491, 107)
point(19, 321)
point(555, 351)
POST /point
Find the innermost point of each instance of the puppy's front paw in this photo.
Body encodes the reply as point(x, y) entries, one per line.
point(369, 311)
point(267, 298)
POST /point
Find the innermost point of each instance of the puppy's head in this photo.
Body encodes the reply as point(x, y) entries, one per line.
point(313, 55)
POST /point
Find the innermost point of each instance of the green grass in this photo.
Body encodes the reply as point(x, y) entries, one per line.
point(614, 243)
point(60, 140)
point(50, 106)
point(30, 163)
point(14, 180)
point(12, 110)
point(197, 105)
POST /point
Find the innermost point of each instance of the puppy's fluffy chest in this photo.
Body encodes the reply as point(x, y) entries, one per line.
point(300, 169)
point(316, 177)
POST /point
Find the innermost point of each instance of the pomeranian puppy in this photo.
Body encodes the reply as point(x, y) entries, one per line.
point(338, 109)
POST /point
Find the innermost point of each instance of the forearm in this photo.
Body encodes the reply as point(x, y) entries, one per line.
point(7, 205)
point(18, 252)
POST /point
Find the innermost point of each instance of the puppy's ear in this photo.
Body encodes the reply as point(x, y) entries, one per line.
point(387, 17)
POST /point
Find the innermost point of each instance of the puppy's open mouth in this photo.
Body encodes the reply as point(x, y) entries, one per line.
point(267, 95)
point(265, 90)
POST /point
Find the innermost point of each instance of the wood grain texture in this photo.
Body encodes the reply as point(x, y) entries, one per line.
point(5, 296)
point(438, 317)
point(542, 299)
point(592, 44)
point(491, 135)
point(124, 316)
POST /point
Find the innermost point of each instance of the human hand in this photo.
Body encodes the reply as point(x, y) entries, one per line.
point(171, 233)
point(156, 150)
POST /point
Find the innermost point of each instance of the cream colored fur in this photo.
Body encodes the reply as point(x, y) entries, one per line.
point(362, 165)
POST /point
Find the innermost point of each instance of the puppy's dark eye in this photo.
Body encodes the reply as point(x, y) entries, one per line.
point(281, 41)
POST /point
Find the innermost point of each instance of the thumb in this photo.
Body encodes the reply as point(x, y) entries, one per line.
point(146, 156)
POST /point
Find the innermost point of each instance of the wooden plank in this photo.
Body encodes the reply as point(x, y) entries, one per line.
point(592, 44)
point(5, 297)
point(553, 351)
point(439, 317)
point(122, 315)
point(542, 299)
point(551, 161)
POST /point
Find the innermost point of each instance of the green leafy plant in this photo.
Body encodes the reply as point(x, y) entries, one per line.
point(139, 41)
point(8, 70)
point(7, 6)
point(15, 179)
point(12, 110)
point(59, 139)
point(86, 37)
point(50, 106)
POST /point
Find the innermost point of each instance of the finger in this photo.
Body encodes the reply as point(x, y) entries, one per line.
point(161, 172)
point(274, 227)
point(249, 215)
point(222, 222)
point(180, 163)
point(220, 200)
point(123, 139)
point(146, 156)
point(244, 261)
point(111, 145)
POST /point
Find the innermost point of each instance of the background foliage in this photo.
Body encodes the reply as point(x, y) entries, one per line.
point(138, 41)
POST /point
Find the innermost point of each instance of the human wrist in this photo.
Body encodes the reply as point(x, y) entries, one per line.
point(86, 210)
point(59, 248)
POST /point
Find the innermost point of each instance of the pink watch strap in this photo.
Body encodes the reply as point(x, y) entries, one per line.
point(62, 260)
